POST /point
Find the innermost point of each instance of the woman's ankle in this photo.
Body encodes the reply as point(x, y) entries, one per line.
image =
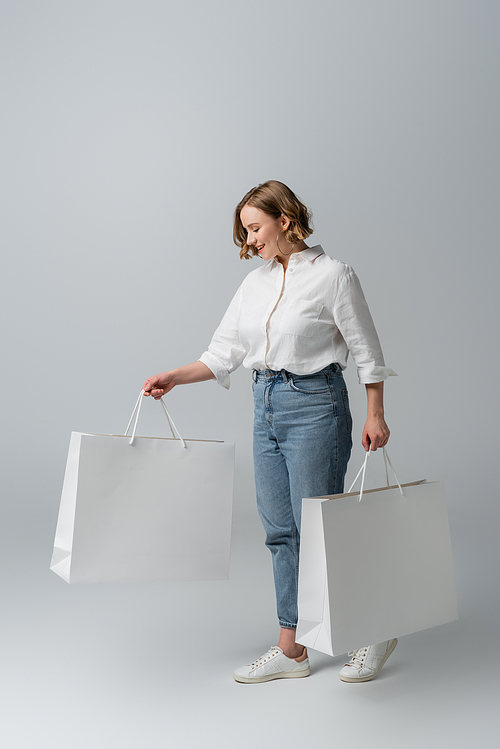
point(289, 647)
point(301, 657)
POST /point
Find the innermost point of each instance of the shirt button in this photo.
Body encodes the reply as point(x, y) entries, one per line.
point(291, 270)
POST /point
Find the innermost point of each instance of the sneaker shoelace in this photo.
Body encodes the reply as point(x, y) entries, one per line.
point(357, 658)
point(267, 656)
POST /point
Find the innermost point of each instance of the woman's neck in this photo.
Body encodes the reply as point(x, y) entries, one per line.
point(283, 259)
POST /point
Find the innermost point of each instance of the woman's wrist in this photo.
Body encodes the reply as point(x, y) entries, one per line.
point(176, 376)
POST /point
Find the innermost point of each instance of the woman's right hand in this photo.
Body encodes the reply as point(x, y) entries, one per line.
point(159, 385)
point(163, 383)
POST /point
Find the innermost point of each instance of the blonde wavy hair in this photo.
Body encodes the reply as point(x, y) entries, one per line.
point(275, 199)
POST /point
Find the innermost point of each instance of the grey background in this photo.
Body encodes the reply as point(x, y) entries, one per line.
point(129, 132)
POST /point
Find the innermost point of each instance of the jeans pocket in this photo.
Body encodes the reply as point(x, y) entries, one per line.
point(309, 385)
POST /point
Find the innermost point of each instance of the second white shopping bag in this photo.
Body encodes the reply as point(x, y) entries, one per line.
point(140, 508)
point(374, 569)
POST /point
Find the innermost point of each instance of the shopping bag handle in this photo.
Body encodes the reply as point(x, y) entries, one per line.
point(136, 412)
point(363, 469)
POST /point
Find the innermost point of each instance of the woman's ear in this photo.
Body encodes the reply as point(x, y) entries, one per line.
point(285, 222)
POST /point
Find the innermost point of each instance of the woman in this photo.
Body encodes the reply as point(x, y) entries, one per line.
point(294, 321)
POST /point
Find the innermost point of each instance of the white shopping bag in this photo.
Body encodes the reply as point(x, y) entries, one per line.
point(374, 565)
point(140, 508)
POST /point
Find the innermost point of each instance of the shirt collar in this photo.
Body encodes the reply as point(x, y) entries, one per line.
point(311, 253)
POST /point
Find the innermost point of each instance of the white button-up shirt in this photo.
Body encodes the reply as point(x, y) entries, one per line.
point(302, 321)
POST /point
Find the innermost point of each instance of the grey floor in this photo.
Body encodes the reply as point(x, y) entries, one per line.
point(134, 666)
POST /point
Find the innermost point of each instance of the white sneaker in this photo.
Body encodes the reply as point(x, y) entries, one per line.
point(367, 662)
point(272, 665)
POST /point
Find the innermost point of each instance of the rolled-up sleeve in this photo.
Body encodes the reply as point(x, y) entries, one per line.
point(225, 352)
point(353, 319)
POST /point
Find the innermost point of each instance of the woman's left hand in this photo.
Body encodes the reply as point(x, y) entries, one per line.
point(376, 433)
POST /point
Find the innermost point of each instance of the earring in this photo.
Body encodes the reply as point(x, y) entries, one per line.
point(280, 250)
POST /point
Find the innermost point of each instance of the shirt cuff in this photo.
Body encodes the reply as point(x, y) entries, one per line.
point(221, 374)
point(369, 375)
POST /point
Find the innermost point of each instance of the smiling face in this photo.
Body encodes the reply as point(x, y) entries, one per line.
point(262, 231)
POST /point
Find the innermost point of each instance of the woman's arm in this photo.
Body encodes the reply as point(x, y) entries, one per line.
point(376, 432)
point(161, 384)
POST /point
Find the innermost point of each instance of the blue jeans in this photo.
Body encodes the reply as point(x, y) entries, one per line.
point(302, 444)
